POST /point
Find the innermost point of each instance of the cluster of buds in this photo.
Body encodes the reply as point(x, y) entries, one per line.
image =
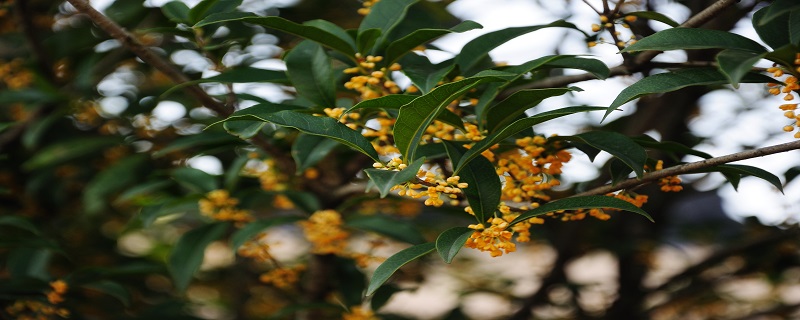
point(219, 206)
point(607, 23)
point(669, 183)
point(283, 278)
point(370, 81)
point(366, 7)
point(495, 238)
point(791, 86)
point(337, 113)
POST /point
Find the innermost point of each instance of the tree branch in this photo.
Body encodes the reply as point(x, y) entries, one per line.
point(693, 166)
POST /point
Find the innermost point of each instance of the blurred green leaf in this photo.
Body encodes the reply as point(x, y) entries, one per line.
point(384, 16)
point(593, 66)
point(209, 7)
point(618, 145)
point(450, 242)
point(195, 180)
point(66, 150)
point(305, 201)
point(668, 146)
point(237, 75)
point(404, 45)
point(390, 227)
point(205, 138)
point(652, 15)
point(514, 128)
point(508, 110)
point(149, 214)
point(774, 32)
point(384, 180)
point(251, 229)
point(19, 223)
point(29, 262)
point(393, 263)
point(112, 180)
point(382, 296)
point(694, 38)
point(111, 288)
point(188, 253)
point(309, 68)
point(744, 170)
point(309, 149)
point(484, 187)
point(243, 129)
point(176, 11)
point(584, 202)
point(735, 64)
point(777, 9)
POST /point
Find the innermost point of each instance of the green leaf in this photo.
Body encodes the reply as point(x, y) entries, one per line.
point(392, 101)
point(366, 40)
point(694, 38)
point(669, 146)
point(176, 11)
point(308, 150)
point(773, 33)
point(208, 8)
point(450, 242)
point(321, 126)
point(29, 262)
point(187, 255)
point(385, 16)
point(149, 214)
point(404, 45)
point(619, 170)
point(511, 108)
point(794, 28)
point(585, 202)
point(735, 64)
point(393, 263)
point(309, 68)
point(205, 138)
point(593, 66)
point(791, 173)
point(384, 180)
point(112, 180)
point(672, 81)
point(304, 201)
point(237, 75)
point(744, 170)
point(111, 288)
point(423, 73)
point(233, 173)
point(652, 15)
point(63, 151)
point(618, 145)
point(416, 116)
point(478, 49)
point(19, 223)
point(484, 187)
point(251, 229)
point(393, 228)
point(777, 9)
point(195, 180)
point(334, 30)
point(243, 129)
point(514, 128)
point(382, 296)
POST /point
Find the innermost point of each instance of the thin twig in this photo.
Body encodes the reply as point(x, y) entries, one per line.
point(693, 166)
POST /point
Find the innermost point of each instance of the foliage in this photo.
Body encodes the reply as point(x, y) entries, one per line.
point(377, 156)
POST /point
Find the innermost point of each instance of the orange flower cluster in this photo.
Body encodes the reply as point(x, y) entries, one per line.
point(791, 86)
point(38, 310)
point(359, 313)
point(324, 230)
point(14, 74)
point(369, 81)
point(495, 238)
point(530, 169)
point(435, 186)
point(256, 249)
point(607, 23)
point(366, 6)
point(670, 183)
point(219, 206)
point(283, 278)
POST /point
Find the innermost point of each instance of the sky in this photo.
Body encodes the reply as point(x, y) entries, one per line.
point(758, 120)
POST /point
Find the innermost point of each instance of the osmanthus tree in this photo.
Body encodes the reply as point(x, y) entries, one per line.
point(379, 156)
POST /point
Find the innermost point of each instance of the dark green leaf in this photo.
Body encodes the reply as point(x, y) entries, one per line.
point(392, 101)
point(415, 117)
point(393, 263)
point(176, 11)
point(585, 202)
point(593, 66)
point(334, 30)
point(478, 49)
point(309, 68)
point(652, 15)
point(669, 146)
point(773, 33)
point(205, 138)
point(794, 28)
point(744, 170)
point(735, 64)
point(382, 295)
point(366, 40)
point(304, 201)
point(195, 180)
point(19, 223)
point(618, 145)
point(619, 171)
point(777, 9)
point(393, 228)
point(237, 75)
point(112, 180)
point(243, 129)
point(450, 242)
point(423, 73)
point(30, 261)
point(385, 16)
point(384, 180)
point(694, 38)
point(400, 47)
point(672, 81)
point(308, 149)
point(207, 8)
point(251, 229)
point(233, 173)
point(187, 255)
point(484, 186)
point(149, 214)
point(514, 128)
point(792, 173)
point(511, 108)
point(63, 151)
point(111, 288)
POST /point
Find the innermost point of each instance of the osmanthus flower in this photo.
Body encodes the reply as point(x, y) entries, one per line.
point(220, 206)
point(494, 239)
point(369, 79)
point(324, 230)
point(530, 169)
point(670, 183)
point(788, 90)
point(35, 309)
point(283, 278)
point(359, 313)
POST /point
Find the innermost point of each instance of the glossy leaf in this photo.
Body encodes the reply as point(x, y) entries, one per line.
point(321, 126)
point(735, 64)
point(584, 202)
point(112, 180)
point(384, 180)
point(390, 227)
point(745, 170)
point(237, 75)
point(484, 187)
point(393, 263)
point(64, 151)
point(450, 242)
point(243, 129)
point(111, 288)
point(593, 66)
point(668, 146)
point(618, 145)
point(366, 39)
point(694, 38)
point(419, 37)
point(251, 229)
point(385, 16)
point(309, 68)
point(195, 180)
point(672, 81)
point(515, 128)
point(424, 74)
point(511, 108)
point(415, 117)
point(176, 11)
point(478, 49)
point(392, 101)
point(652, 15)
point(205, 138)
point(777, 9)
point(187, 255)
point(207, 8)
point(773, 33)
point(308, 150)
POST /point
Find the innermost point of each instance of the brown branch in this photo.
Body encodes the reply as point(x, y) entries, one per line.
point(693, 166)
point(634, 65)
